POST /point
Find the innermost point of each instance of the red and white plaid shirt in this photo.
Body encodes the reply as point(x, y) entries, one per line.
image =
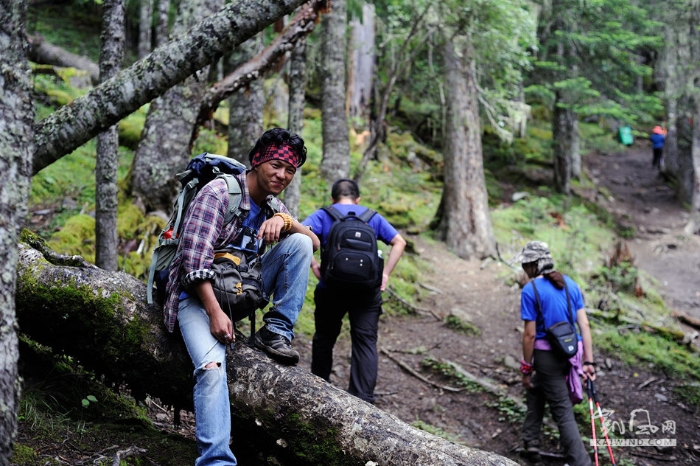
point(203, 232)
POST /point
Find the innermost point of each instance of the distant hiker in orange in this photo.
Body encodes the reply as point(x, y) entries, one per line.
point(658, 139)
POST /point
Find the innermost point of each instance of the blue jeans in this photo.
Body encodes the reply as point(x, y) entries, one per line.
point(285, 275)
point(212, 409)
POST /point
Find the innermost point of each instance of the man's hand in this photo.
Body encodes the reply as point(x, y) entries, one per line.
point(221, 327)
point(271, 229)
point(527, 382)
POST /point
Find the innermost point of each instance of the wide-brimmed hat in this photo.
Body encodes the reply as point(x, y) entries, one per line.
point(657, 130)
point(533, 251)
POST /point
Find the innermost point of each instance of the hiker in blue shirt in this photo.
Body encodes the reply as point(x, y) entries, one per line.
point(658, 139)
point(548, 298)
point(362, 306)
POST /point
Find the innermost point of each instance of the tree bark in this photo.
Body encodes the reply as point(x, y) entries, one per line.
point(42, 52)
point(302, 25)
point(465, 224)
point(77, 308)
point(75, 124)
point(334, 123)
point(162, 22)
point(145, 27)
point(361, 68)
point(295, 122)
point(245, 106)
point(107, 163)
point(16, 149)
point(167, 136)
point(562, 144)
point(694, 223)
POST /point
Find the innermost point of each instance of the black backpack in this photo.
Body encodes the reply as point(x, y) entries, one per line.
point(350, 259)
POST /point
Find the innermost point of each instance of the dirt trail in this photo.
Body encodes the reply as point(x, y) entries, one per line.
point(641, 197)
point(476, 291)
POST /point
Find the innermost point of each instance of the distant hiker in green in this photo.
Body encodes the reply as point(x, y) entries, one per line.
point(547, 299)
point(352, 276)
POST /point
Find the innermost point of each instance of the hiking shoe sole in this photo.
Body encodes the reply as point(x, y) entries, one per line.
point(278, 349)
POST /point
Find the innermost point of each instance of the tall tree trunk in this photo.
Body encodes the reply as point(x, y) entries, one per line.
point(361, 66)
point(111, 55)
point(145, 28)
point(295, 122)
point(73, 125)
point(162, 22)
point(694, 223)
point(465, 225)
point(575, 148)
point(245, 106)
point(334, 124)
point(167, 135)
point(671, 145)
point(284, 411)
point(16, 153)
point(562, 144)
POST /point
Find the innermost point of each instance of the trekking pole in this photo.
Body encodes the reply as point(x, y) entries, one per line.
point(602, 421)
point(589, 389)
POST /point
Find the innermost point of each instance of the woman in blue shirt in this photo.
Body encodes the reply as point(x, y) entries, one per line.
point(554, 377)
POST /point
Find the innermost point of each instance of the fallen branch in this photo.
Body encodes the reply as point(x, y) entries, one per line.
point(415, 374)
point(686, 319)
point(300, 26)
point(131, 451)
point(45, 53)
point(411, 307)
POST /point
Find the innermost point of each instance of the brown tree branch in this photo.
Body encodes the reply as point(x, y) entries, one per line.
point(301, 26)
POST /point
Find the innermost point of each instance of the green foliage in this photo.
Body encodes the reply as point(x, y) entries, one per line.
point(210, 141)
point(422, 425)
point(509, 411)
point(689, 393)
point(619, 278)
point(589, 55)
point(641, 348)
point(448, 371)
point(455, 323)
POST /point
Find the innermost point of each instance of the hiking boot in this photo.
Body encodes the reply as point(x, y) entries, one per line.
point(532, 455)
point(277, 346)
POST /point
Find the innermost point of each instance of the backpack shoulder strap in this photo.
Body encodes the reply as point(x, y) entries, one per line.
point(367, 215)
point(234, 197)
point(333, 212)
point(537, 298)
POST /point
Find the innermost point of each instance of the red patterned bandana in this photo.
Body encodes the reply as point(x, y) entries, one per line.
point(283, 152)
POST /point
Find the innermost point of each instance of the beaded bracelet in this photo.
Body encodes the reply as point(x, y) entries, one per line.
point(287, 221)
point(525, 367)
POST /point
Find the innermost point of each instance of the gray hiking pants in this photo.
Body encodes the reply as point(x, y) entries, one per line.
point(551, 387)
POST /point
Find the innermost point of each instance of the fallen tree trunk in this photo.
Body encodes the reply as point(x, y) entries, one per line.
point(45, 53)
point(101, 319)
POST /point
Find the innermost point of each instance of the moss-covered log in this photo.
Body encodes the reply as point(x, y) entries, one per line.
point(101, 319)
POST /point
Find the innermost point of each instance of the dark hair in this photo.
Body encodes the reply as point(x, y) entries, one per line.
point(278, 136)
point(345, 187)
point(556, 279)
